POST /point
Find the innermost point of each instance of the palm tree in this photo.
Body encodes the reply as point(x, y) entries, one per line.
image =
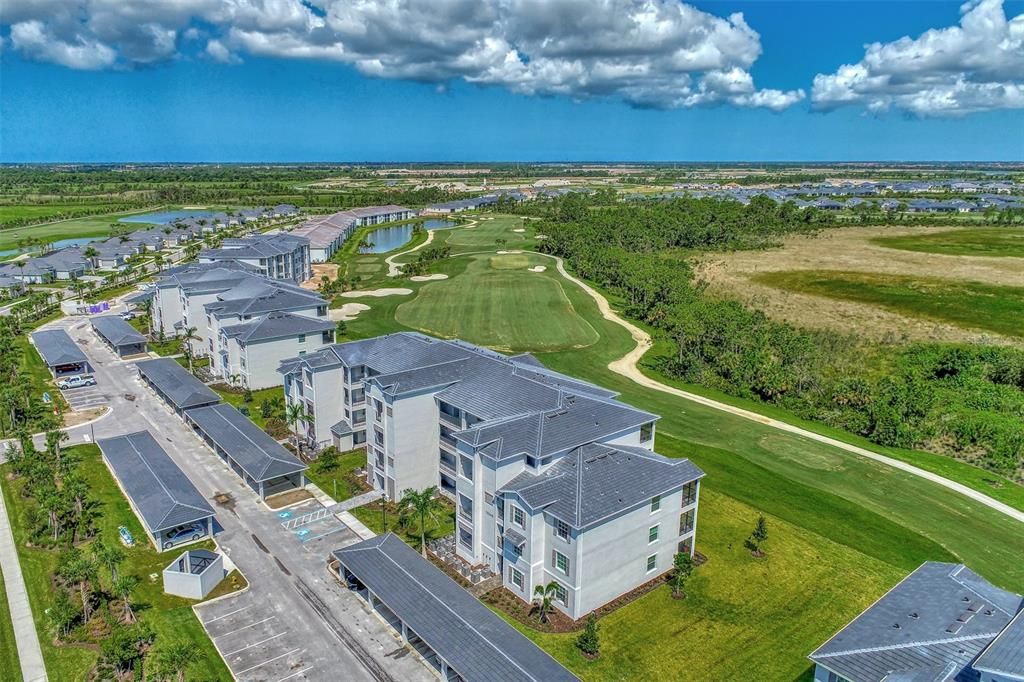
point(544, 597)
point(293, 414)
point(147, 312)
point(122, 589)
point(187, 338)
point(82, 570)
point(175, 659)
point(423, 505)
point(110, 556)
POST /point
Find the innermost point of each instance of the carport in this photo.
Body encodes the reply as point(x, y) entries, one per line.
point(59, 352)
point(120, 337)
point(175, 385)
point(158, 491)
point(258, 459)
point(447, 626)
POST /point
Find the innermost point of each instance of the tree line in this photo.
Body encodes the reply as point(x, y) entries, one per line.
point(963, 400)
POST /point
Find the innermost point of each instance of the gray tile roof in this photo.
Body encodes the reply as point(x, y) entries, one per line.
point(258, 297)
point(259, 455)
point(598, 481)
point(116, 331)
point(928, 627)
point(472, 639)
point(1005, 655)
point(342, 428)
point(258, 246)
point(277, 325)
point(181, 388)
point(158, 489)
point(57, 348)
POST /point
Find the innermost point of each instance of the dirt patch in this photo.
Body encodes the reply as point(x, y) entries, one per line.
point(851, 249)
point(330, 270)
point(83, 416)
point(286, 499)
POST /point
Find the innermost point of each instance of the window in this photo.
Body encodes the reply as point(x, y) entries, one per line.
point(467, 468)
point(302, 338)
point(326, 337)
point(391, 412)
point(655, 503)
point(652, 534)
point(689, 493)
point(515, 577)
point(560, 561)
point(562, 529)
point(378, 436)
point(358, 417)
point(346, 394)
point(646, 432)
point(561, 594)
point(518, 517)
point(685, 522)
point(652, 562)
point(517, 550)
point(359, 437)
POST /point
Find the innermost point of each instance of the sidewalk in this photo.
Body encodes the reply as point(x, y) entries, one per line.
point(29, 652)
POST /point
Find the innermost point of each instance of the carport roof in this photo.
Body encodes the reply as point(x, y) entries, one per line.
point(57, 348)
point(162, 494)
point(259, 455)
point(116, 331)
point(474, 641)
point(174, 381)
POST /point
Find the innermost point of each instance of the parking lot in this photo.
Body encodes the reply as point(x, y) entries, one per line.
point(316, 529)
point(256, 641)
point(85, 397)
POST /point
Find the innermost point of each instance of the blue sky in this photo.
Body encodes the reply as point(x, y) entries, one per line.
point(267, 107)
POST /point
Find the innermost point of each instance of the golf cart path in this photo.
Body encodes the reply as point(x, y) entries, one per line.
point(627, 367)
point(394, 269)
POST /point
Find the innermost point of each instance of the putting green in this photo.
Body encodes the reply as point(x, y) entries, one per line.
point(507, 309)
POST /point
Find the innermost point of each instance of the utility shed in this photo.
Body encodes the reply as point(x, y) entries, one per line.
point(60, 353)
point(120, 337)
point(459, 636)
point(170, 508)
point(259, 459)
point(194, 574)
point(175, 385)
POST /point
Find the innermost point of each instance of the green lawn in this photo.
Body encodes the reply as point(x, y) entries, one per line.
point(38, 375)
point(237, 399)
point(1004, 241)
point(508, 307)
point(973, 305)
point(743, 618)
point(171, 617)
point(441, 525)
point(336, 482)
point(92, 226)
point(10, 665)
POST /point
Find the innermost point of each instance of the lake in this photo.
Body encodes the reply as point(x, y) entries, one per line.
point(165, 217)
point(390, 238)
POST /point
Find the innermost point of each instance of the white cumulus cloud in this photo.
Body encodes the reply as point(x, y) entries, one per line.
point(975, 66)
point(648, 53)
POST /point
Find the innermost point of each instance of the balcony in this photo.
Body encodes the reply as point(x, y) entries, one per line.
point(466, 514)
point(447, 440)
point(451, 420)
point(447, 464)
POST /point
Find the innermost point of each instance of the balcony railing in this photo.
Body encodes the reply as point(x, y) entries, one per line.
point(466, 514)
point(447, 465)
point(451, 420)
point(448, 441)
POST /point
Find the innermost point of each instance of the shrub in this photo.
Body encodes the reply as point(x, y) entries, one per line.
point(276, 428)
point(244, 410)
point(588, 641)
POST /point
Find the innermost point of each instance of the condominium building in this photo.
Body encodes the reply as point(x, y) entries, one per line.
point(326, 234)
point(553, 478)
point(244, 322)
point(278, 256)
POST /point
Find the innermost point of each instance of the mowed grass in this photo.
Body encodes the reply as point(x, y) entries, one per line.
point(171, 617)
point(507, 307)
point(972, 305)
point(743, 618)
point(92, 226)
point(10, 665)
point(997, 242)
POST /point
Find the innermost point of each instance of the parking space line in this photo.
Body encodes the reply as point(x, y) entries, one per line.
point(304, 670)
point(264, 641)
point(244, 627)
point(269, 660)
point(229, 613)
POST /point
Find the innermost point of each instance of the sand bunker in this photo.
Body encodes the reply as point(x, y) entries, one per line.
point(428, 278)
point(507, 253)
point(387, 291)
point(542, 236)
point(538, 268)
point(519, 229)
point(347, 312)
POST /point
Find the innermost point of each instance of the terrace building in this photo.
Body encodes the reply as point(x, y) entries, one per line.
point(326, 234)
point(551, 476)
point(277, 256)
point(942, 623)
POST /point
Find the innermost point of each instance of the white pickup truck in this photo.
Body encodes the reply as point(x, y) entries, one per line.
point(75, 382)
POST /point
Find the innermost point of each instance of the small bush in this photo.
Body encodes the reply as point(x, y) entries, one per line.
point(276, 428)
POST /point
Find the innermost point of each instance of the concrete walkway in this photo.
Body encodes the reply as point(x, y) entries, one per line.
point(627, 367)
point(29, 651)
